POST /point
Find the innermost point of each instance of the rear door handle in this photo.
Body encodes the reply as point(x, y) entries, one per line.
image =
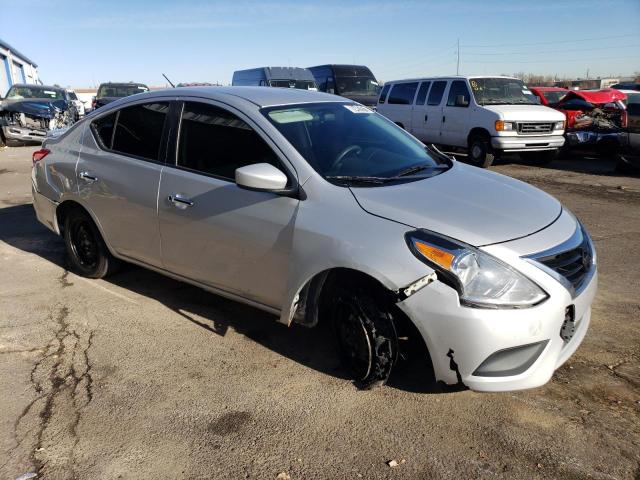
point(179, 201)
point(88, 177)
point(426, 117)
point(443, 118)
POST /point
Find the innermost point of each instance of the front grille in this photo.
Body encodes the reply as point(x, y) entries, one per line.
point(535, 127)
point(574, 264)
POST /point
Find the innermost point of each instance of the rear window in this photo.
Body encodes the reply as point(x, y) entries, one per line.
point(103, 129)
point(120, 90)
point(435, 95)
point(139, 129)
point(383, 94)
point(403, 93)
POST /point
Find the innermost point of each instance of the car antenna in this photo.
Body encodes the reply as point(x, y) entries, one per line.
point(170, 82)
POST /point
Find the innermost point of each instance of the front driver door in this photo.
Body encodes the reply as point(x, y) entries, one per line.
point(213, 231)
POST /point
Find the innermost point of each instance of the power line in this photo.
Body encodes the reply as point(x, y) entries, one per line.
point(547, 51)
point(549, 61)
point(575, 40)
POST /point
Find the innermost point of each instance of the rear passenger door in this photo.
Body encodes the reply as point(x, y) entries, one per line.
point(118, 176)
point(419, 116)
point(400, 104)
point(455, 117)
point(213, 231)
point(433, 112)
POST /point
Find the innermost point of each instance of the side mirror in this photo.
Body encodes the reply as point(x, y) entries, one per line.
point(262, 177)
point(461, 101)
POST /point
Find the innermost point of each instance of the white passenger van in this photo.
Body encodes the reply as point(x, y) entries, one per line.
point(484, 115)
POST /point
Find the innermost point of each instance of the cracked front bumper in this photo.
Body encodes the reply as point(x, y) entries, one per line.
point(21, 134)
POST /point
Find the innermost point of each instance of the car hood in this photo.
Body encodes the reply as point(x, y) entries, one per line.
point(526, 113)
point(465, 203)
point(39, 107)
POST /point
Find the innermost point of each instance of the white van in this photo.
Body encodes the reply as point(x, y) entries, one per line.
point(484, 115)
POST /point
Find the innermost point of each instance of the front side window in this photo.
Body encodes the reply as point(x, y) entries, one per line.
point(139, 128)
point(500, 91)
point(216, 142)
point(103, 129)
point(435, 95)
point(458, 89)
point(344, 141)
point(422, 93)
point(403, 93)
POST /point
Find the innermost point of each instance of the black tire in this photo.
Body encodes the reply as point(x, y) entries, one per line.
point(480, 152)
point(539, 158)
point(87, 254)
point(366, 334)
point(3, 142)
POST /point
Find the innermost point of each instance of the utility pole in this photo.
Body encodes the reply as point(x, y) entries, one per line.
point(458, 59)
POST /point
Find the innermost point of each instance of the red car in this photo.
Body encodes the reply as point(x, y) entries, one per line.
point(594, 118)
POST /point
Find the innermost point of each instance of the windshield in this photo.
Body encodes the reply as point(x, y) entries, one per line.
point(349, 144)
point(302, 84)
point(554, 97)
point(500, 91)
point(35, 92)
point(357, 86)
point(120, 90)
point(73, 96)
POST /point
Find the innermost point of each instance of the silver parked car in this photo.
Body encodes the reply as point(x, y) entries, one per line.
point(316, 209)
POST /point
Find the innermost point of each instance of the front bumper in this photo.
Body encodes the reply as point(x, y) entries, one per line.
point(527, 143)
point(461, 339)
point(21, 134)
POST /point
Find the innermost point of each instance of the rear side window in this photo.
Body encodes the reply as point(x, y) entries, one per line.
point(103, 129)
point(403, 93)
point(422, 93)
point(435, 95)
point(384, 92)
point(216, 142)
point(139, 130)
point(458, 88)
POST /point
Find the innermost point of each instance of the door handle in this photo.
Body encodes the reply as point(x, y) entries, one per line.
point(88, 177)
point(180, 201)
point(444, 119)
point(426, 117)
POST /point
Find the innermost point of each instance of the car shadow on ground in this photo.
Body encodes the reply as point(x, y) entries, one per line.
point(314, 348)
point(591, 165)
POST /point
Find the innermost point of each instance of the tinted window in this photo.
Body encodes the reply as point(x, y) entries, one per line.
point(215, 141)
point(103, 129)
point(422, 93)
point(383, 94)
point(139, 130)
point(458, 88)
point(435, 95)
point(403, 93)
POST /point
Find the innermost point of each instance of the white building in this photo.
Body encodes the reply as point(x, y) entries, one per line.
point(15, 68)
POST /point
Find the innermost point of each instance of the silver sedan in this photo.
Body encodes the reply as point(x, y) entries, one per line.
point(316, 209)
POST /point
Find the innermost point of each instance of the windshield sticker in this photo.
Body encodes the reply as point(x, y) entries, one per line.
point(357, 109)
point(475, 87)
point(290, 116)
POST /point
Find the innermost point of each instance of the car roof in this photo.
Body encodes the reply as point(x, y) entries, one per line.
point(123, 83)
point(450, 77)
point(260, 96)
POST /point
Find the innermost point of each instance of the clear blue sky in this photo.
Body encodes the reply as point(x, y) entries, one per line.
point(81, 43)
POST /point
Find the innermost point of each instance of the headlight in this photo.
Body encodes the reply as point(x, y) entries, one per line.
point(502, 126)
point(559, 126)
point(480, 279)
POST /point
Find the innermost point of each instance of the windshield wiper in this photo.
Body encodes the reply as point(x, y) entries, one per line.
point(356, 179)
point(419, 168)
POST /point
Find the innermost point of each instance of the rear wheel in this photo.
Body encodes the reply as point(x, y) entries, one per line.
point(87, 253)
point(480, 152)
point(365, 330)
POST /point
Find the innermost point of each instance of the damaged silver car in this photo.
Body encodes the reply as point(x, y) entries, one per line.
point(318, 210)
point(29, 112)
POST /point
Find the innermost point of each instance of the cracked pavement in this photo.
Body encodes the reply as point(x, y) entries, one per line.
point(140, 376)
